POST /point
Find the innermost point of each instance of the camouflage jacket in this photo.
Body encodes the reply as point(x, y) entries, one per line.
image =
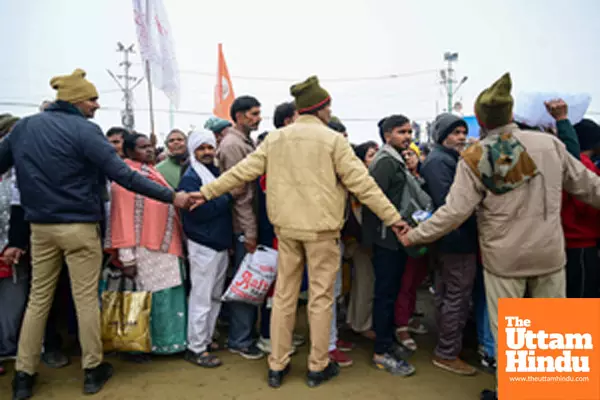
point(517, 201)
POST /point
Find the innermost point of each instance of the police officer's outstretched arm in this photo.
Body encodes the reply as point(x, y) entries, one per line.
point(97, 149)
point(247, 170)
point(355, 177)
point(466, 193)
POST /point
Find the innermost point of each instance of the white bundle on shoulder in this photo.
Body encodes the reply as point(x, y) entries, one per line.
point(530, 109)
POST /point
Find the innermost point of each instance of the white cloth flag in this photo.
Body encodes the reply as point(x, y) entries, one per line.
point(156, 46)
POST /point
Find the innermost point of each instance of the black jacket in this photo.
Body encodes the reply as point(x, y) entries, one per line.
point(210, 224)
point(62, 161)
point(438, 170)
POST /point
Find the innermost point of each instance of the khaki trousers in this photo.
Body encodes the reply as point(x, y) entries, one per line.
point(79, 244)
point(323, 260)
point(545, 286)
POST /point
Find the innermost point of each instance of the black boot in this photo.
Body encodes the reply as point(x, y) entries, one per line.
point(317, 378)
point(55, 359)
point(489, 395)
point(95, 378)
point(276, 377)
point(23, 385)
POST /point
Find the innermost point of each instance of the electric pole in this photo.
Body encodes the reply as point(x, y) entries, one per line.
point(448, 80)
point(127, 117)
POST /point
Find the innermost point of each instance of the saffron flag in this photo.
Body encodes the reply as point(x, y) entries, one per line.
point(156, 47)
point(224, 95)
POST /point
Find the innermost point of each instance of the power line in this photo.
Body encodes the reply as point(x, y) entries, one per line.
point(284, 79)
point(350, 79)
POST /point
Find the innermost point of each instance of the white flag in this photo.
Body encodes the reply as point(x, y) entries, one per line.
point(156, 46)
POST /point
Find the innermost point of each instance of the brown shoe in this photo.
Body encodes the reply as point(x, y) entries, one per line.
point(457, 366)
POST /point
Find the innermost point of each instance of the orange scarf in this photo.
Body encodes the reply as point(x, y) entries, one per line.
point(138, 221)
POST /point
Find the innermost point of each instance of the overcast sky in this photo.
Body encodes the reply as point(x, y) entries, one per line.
point(547, 45)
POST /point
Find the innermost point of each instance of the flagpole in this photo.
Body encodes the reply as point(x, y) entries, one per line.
point(149, 81)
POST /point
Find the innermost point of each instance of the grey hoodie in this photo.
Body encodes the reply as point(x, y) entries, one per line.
point(444, 124)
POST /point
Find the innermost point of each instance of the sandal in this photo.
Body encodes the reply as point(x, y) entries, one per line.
point(415, 326)
point(204, 360)
point(403, 337)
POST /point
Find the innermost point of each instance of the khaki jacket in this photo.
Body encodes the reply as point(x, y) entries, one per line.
point(520, 232)
point(308, 167)
point(233, 149)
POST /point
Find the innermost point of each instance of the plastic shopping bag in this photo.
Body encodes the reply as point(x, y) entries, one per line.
point(254, 277)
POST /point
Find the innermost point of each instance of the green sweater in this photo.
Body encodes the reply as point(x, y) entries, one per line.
point(171, 171)
point(567, 135)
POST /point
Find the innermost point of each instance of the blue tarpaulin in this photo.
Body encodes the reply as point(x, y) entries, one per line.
point(473, 126)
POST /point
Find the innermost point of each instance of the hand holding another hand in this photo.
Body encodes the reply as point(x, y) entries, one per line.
point(197, 199)
point(182, 200)
point(401, 229)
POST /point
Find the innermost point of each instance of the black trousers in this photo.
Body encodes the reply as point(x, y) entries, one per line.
point(583, 273)
point(389, 268)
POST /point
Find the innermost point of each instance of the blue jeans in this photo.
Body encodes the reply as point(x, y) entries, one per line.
point(242, 316)
point(389, 268)
point(484, 331)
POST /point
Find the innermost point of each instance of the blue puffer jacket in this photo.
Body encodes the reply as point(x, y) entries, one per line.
point(62, 161)
point(211, 224)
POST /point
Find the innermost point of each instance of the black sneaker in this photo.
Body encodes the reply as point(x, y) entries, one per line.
point(317, 378)
point(489, 395)
point(249, 353)
point(55, 359)
point(393, 365)
point(276, 377)
point(23, 385)
point(96, 378)
point(488, 363)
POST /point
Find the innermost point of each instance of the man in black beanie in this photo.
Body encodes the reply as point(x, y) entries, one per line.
point(457, 250)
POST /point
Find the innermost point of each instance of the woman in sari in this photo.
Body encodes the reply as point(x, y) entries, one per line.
point(360, 307)
point(143, 235)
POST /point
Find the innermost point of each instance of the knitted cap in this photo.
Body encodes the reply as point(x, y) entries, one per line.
point(216, 124)
point(309, 95)
point(6, 123)
point(413, 146)
point(494, 105)
point(588, 133)
point(74, 88)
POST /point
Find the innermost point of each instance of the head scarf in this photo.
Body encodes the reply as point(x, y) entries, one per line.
point(195, 140)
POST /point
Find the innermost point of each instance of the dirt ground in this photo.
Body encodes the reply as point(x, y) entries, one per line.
point(238, 379)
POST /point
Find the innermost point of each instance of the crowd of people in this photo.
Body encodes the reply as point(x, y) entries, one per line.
point(513, 214)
